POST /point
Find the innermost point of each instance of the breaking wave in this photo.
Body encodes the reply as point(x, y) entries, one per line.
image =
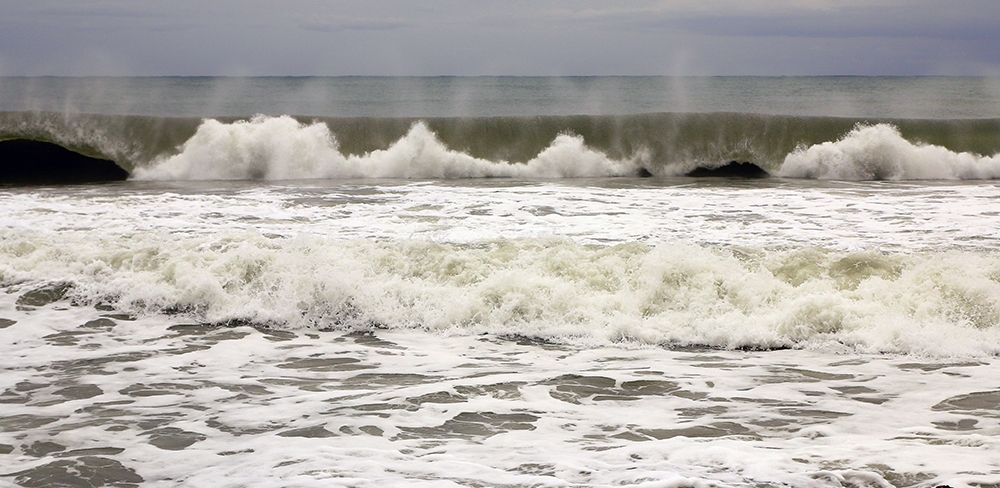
point(936, 304)
point(879, 152)
point(663, 144)
point(282, 148)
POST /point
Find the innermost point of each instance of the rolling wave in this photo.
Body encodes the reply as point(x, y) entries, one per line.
point(879, 152)
point(665, 144)
point(282, 148)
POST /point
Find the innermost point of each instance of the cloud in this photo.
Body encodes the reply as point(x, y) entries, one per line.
point(854, 23)
point(351, 24)
point(505, 37)
point(963, 19)
point(112, 11)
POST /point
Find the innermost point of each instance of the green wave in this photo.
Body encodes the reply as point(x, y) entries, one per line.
point(682, 140)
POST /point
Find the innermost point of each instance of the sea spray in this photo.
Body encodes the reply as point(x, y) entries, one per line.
point(879, 152)
point(282, 148)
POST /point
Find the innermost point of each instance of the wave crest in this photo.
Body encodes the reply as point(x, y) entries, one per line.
point(880, 152)
point(282, 148)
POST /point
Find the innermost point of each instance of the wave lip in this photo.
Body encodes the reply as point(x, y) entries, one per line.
point(880, 152)
point(282, 148)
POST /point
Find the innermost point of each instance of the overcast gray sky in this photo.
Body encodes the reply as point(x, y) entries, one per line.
point(515, 37)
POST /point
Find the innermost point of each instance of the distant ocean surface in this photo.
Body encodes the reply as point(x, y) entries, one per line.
point(835, 96)
point(503, 281)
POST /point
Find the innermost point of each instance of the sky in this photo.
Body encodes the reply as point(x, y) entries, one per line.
point(500, 37)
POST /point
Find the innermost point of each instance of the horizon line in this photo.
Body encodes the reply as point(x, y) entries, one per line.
point(510, 76)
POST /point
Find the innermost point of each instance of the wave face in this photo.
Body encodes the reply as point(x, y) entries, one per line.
point(880, 152)
point(937, 304)
point(664, 144)
point(282, 148)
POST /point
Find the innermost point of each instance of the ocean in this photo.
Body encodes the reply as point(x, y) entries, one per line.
point(501, 281)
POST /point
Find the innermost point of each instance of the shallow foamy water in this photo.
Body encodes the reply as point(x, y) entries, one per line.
point(501, 333)
point(96, 397)
point(758, 213)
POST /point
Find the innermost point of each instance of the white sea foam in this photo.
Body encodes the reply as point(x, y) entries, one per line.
point(403, 408)
point(764, 213)
point(282, 148)
point(938, 304)
point(879, 152)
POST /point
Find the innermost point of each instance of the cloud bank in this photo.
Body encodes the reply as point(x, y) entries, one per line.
point(517, 37)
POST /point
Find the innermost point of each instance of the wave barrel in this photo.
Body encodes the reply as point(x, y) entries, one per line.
point(29, 162)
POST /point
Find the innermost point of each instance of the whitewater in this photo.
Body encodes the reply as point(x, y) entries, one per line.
point(515, 290)
point(502, 331)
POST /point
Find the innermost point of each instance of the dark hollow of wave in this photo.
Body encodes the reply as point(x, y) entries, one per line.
point(732, 169)
point(27, 162)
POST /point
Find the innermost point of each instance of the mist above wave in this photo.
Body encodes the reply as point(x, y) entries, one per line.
point(282, 148)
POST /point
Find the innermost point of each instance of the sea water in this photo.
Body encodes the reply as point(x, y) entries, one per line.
point(464, 282)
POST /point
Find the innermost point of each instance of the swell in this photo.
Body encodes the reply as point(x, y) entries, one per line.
point(934, 303)
point(662, 143)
